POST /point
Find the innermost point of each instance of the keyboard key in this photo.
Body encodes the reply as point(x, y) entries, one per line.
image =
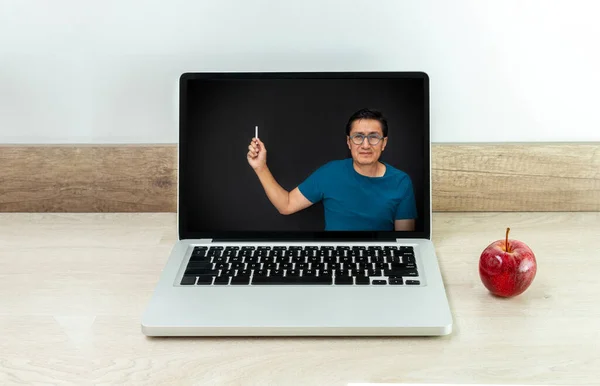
point(200, 271)
point(243, 272)
point(205, 279)
point(403, 266)
point(379, 282)
point(344, 280)
point(199, 264)
point(200, 259)
point(362, 280)
point(364, 265)
point(413, 282)
point(395, 280)
point(324, 252)
point(188, 280)
point(346, 259)
point(275, 280)
point(394, 259)
point(240, 280)
point(222, 280)
point(408, 259)
point(373, 272)
point(319, 266)
point(400, 272)
point(341, 273)
point(357, 271)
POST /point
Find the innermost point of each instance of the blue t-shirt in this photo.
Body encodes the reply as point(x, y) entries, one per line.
point(356, 202)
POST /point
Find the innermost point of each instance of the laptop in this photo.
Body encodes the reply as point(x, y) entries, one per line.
point(304, 208)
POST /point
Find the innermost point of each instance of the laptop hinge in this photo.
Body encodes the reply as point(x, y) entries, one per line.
point(205, 241)
point(401, 241)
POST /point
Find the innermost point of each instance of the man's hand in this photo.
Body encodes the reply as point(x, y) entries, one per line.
point(404, 225)
point(257, 154)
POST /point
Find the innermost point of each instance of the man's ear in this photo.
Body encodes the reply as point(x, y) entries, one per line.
point(384, 143)
point(348, 142)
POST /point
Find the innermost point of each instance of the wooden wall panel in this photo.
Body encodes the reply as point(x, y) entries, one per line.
point(79, 178)
point(516, 177)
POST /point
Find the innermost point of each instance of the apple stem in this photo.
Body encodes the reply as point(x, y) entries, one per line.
point(506, 243)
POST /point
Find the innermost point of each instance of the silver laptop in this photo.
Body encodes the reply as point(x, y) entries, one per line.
point(304, 208)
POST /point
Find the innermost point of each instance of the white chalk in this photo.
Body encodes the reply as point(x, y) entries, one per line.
point(256, 131)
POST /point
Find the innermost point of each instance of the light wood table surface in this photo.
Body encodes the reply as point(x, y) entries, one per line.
point(73, 288)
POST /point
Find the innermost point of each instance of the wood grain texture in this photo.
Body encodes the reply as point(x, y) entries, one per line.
point(73, 288)
point(516, 177)
point(79, 178)
point(143, 178)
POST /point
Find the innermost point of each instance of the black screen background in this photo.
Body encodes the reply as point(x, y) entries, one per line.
point(302, 124)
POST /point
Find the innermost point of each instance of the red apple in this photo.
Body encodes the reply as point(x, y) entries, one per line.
point(507, 267)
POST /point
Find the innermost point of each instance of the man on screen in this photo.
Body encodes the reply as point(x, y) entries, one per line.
point(359, 193)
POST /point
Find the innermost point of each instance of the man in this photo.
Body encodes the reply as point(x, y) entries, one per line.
point(358, 193)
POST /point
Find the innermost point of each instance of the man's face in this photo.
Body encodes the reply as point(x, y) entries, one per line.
point(366, 153)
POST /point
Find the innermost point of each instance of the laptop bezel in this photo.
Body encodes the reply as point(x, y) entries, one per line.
point(182, 213)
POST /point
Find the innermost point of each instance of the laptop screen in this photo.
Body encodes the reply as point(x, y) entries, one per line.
point(304, 156)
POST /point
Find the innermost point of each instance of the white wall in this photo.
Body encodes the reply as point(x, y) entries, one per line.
point(75, 71)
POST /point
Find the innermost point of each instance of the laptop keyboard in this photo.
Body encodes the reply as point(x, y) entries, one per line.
point(309, 265)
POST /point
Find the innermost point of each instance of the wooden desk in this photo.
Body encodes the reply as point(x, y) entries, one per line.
point(73, 288)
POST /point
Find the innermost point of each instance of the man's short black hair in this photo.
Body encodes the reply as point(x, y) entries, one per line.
point(368, 114)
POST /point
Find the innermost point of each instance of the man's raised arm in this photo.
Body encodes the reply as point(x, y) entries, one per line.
point(285, 202)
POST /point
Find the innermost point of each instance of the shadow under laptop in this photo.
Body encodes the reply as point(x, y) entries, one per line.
point(302, 338)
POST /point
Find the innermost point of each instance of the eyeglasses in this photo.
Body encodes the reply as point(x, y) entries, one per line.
point(358, 139)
